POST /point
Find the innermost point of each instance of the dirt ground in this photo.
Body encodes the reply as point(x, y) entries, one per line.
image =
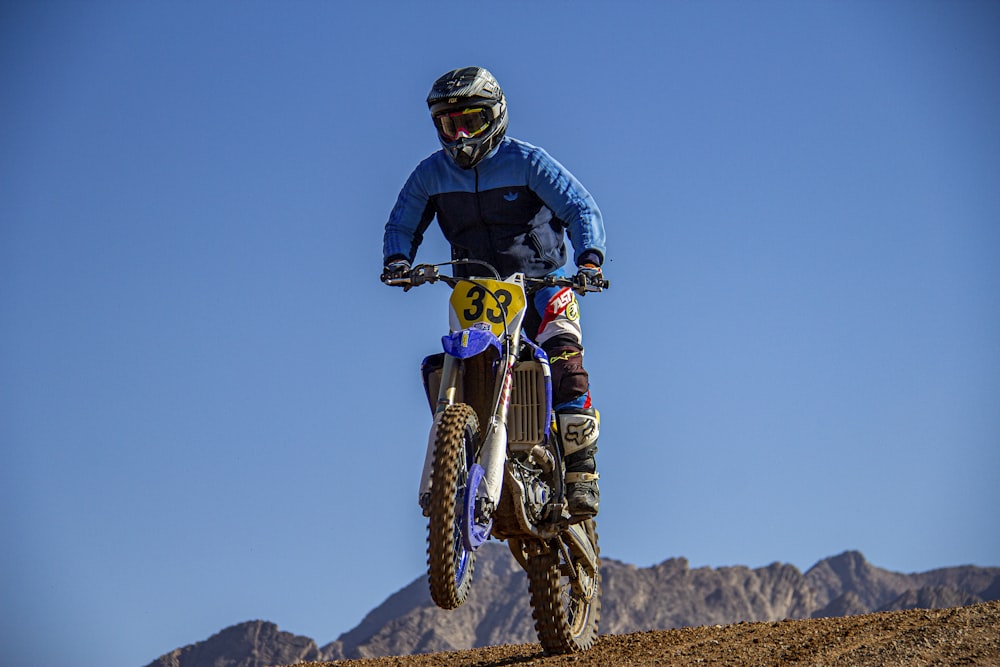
point(957, 636)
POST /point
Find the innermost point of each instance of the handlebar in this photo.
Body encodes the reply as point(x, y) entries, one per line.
point(431, 273)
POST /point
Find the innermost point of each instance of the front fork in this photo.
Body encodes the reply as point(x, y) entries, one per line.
point(493, 453)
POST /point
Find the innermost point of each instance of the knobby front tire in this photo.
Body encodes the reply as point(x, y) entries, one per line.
point(449, 563)
point(565, 601)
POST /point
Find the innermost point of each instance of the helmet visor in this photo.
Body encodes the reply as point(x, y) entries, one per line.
point(463, 123)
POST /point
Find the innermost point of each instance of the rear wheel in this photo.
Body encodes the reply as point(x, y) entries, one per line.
point(565, 598)
point(449, 562)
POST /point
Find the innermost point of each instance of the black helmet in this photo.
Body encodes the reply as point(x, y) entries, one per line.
point(469, 112)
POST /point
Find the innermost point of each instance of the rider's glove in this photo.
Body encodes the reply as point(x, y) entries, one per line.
point(588, 274)
point(396, 270)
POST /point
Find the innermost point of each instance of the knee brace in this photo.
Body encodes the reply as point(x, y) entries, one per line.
point(569, 377)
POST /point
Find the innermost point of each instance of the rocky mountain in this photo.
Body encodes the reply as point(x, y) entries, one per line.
point(664, 596)
point(251, 644)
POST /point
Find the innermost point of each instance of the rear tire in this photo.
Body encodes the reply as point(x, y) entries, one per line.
point(449, 563)
point(566, 609)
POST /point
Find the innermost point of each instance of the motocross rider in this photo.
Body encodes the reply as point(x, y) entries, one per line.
point(508, 203)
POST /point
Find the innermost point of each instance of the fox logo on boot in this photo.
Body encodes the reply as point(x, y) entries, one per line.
point(579, 431)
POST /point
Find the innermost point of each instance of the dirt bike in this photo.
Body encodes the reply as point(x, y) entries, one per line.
point(494, 464)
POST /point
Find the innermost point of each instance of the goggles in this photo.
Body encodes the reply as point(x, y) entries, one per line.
point(467, 122)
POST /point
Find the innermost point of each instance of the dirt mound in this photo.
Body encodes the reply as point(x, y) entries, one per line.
point(960, 635)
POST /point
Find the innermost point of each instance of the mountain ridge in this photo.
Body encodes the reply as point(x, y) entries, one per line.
point(667, 595)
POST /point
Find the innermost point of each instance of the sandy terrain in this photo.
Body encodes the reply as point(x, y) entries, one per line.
point(957, 636)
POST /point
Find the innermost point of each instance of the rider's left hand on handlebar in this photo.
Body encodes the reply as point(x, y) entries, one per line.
point(589, 275)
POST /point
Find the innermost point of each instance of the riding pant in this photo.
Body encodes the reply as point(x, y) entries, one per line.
point(554, 320)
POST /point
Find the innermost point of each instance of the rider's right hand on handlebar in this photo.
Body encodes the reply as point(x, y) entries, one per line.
point(397, 273)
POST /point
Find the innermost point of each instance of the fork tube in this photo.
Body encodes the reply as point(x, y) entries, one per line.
point(494, 452)
point(450, 373)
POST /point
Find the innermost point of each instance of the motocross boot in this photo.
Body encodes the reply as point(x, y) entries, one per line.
point(580, 428)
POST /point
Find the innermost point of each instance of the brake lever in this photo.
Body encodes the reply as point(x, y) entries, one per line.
point(581, 285)
point(424, 273)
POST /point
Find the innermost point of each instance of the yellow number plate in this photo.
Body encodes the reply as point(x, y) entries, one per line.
point(491, 302)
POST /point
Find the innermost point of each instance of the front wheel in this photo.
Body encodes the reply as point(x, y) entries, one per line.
point(565, 597)
point(449, 562)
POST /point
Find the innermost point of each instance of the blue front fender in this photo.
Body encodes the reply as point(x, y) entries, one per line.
point(470, 342)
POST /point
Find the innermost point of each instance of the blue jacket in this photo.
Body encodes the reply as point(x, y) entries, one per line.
point(512, 210)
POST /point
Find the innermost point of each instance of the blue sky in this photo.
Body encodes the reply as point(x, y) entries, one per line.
point(210, 408)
